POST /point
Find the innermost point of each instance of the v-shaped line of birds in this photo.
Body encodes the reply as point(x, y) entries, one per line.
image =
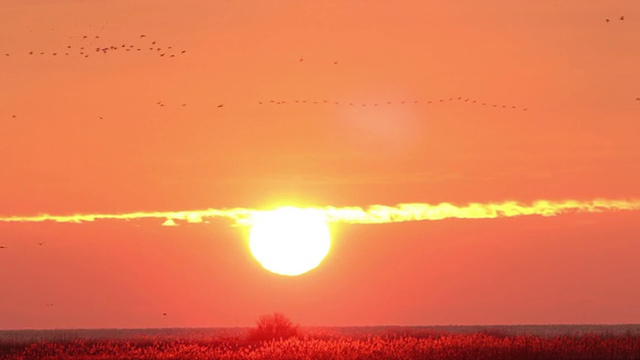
point(386, 103)
point(296, 102)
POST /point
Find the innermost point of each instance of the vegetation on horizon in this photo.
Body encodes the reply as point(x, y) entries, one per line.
point(400, 346)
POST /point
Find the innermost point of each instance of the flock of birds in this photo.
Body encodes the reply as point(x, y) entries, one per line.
point(401, 102)
point(93, 44)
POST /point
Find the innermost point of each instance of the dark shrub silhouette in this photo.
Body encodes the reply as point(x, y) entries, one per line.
point(271, 327)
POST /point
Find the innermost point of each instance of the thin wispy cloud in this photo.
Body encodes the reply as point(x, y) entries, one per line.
point(374, 214)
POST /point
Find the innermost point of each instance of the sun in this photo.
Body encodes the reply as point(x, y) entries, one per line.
point(289, 241)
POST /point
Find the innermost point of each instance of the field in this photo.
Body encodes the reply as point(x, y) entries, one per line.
point(327, 343)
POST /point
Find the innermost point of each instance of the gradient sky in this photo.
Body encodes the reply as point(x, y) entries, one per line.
point(86, 135)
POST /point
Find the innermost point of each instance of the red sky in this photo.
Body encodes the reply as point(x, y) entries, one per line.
point(576, 75)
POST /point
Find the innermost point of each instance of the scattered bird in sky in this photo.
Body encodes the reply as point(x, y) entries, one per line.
point(2, 247)
point(143, 36)
point(607, 20)
point(622, 17)
point(301, 60)
point(221, 105)
point(40, 243)
point(164, 314)
point(335, 63)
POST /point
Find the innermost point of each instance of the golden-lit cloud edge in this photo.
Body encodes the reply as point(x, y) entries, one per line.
point(374, 214)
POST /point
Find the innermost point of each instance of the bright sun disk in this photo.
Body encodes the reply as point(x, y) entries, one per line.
point(289, 241)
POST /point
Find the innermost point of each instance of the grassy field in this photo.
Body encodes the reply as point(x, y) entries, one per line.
point(383, 344)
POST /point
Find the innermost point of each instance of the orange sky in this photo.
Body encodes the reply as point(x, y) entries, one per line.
point(576, 75)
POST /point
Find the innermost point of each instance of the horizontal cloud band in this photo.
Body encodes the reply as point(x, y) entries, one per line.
point(375, 214)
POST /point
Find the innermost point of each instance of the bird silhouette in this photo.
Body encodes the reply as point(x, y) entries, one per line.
point(638, 99)
point(164, 314)
point(607, 20)
point(143, 36)
point(40, 243)
point(2, 247)
point(622, 17)
point(221, 105)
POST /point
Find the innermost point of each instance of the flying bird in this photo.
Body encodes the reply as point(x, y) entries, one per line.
point(143, 36)
point(638, 99)
point(221, 105)
point(607, 20)
point(2, 247)
point(40, 243)
point(622, 17)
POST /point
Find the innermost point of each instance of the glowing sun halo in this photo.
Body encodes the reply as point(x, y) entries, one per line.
point(289, 241)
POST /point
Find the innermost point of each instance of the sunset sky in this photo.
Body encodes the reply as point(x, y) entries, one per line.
point(217, 126)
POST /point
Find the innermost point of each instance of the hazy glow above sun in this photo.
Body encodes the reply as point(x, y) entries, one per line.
point(289, 241)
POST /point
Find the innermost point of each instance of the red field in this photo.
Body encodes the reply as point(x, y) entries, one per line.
point(388, 346)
